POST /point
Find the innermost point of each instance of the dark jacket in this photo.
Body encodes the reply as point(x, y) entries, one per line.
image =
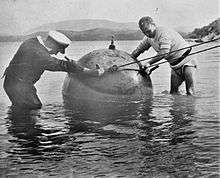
point(26, 68)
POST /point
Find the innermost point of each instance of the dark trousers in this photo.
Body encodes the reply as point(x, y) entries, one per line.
point(21, 94)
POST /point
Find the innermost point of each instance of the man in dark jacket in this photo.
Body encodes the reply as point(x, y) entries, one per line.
point(30, 61)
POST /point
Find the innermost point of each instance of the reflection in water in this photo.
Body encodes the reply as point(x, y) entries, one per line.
point(170, 150)
point(34, 142)
point(106, 117)
point(154, 146)
point(166, 136)
point(24, 130)
point(108, 139)
point(30, 135)
point(182, 112)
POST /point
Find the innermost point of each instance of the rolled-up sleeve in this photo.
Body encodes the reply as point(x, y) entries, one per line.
point(144, 45)
point(54, 64)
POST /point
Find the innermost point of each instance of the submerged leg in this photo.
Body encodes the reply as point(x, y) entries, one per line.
point(175, 81)
point(22, 95)
point(189, 75)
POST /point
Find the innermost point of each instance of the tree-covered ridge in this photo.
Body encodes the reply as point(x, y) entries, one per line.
point(212, 28)
point(99, 34)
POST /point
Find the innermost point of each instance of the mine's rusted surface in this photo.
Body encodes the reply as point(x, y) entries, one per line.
point(122, 84)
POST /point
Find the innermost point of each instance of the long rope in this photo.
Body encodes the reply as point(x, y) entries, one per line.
point(168, 52)
point(157, 64)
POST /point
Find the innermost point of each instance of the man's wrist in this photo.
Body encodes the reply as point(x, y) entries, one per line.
point(101, 71)
point(147, 64)
point(86, 69)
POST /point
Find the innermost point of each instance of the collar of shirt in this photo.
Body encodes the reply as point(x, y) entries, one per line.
point(42, 43)
point(154, 43)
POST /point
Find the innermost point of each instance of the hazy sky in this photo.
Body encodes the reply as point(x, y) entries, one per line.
point(18, 16)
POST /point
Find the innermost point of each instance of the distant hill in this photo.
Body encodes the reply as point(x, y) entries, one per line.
point(97, 34)
point(104, 29)
point(21, 37)
point(85, 29)
point(103, 34)
point(213, 29)
point(85, 24)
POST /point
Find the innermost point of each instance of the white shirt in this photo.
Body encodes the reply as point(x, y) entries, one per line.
point(165, 38)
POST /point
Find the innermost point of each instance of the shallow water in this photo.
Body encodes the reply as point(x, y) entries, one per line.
point(163, 136)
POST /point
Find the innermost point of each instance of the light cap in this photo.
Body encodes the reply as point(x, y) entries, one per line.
point(60, 38)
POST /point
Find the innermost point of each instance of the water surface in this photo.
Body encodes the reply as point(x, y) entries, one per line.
point(163, 136)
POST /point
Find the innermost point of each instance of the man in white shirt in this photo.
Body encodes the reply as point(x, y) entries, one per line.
point(168, 44)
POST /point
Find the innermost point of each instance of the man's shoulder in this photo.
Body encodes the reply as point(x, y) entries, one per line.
point(32, 45)
point(31, 42)
point(163, 30)
point(32, 48)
